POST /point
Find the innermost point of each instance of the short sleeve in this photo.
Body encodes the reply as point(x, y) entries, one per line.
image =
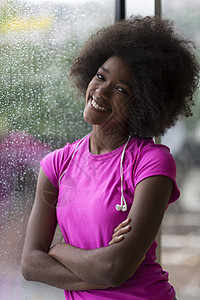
point(156, 160)
point(51, 165)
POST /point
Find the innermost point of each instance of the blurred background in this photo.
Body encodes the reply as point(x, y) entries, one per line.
point(40, 111)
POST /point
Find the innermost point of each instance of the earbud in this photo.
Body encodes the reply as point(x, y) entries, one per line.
point(124, 208)
point(119, 207)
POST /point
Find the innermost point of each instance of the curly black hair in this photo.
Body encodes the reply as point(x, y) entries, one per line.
point(165, 70)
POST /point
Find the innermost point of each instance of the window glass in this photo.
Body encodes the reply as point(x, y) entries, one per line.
point(180, 240)
point(144, 8)
point(39, 112)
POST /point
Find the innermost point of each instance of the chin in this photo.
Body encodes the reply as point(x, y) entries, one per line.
point(89, 120)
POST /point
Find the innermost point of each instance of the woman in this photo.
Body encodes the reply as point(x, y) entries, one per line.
point(109, 190)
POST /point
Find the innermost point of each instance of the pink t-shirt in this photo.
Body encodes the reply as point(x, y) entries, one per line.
point(89, 189)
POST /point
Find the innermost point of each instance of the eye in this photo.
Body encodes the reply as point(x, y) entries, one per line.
point(100, 76)
point(122, 90)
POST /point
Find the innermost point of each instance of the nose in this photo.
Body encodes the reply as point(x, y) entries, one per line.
point(104, 91)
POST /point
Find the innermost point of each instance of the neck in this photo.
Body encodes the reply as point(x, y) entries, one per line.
point(104, 141)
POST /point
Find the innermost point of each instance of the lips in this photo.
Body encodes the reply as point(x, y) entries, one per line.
point(98, 105)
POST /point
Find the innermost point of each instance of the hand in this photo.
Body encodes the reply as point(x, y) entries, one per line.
point(119, 231)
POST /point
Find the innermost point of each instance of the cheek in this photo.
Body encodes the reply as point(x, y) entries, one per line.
point(126, 104)
point(122, 109)
point(87, 94)
point(121, 104)
point(89, 89)
point(91, 83)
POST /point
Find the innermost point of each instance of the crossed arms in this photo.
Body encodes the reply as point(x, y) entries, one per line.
point(71, 268)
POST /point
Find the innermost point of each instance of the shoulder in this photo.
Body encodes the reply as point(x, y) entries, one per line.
point(152, 159)
point(142, 153)
point(58, 156)
point(54, 162)
point(149, 152)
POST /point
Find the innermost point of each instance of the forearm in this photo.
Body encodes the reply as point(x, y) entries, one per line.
point(96, 266)
point(41, 267)
point(74, 259)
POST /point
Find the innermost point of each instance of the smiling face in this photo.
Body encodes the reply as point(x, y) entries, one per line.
point(108, 94)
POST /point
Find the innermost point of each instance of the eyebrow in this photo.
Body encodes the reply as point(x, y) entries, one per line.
point(125, 82)
point(121, 80)
point(104, 69)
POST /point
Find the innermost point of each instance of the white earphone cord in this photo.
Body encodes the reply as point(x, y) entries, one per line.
point(123, 205)
point(72, 157)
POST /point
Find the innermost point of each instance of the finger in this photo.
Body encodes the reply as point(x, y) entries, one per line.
point(123, 224)
point(116, 239)
point(122, 231)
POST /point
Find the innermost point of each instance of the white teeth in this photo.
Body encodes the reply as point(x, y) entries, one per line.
point(97, 106)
